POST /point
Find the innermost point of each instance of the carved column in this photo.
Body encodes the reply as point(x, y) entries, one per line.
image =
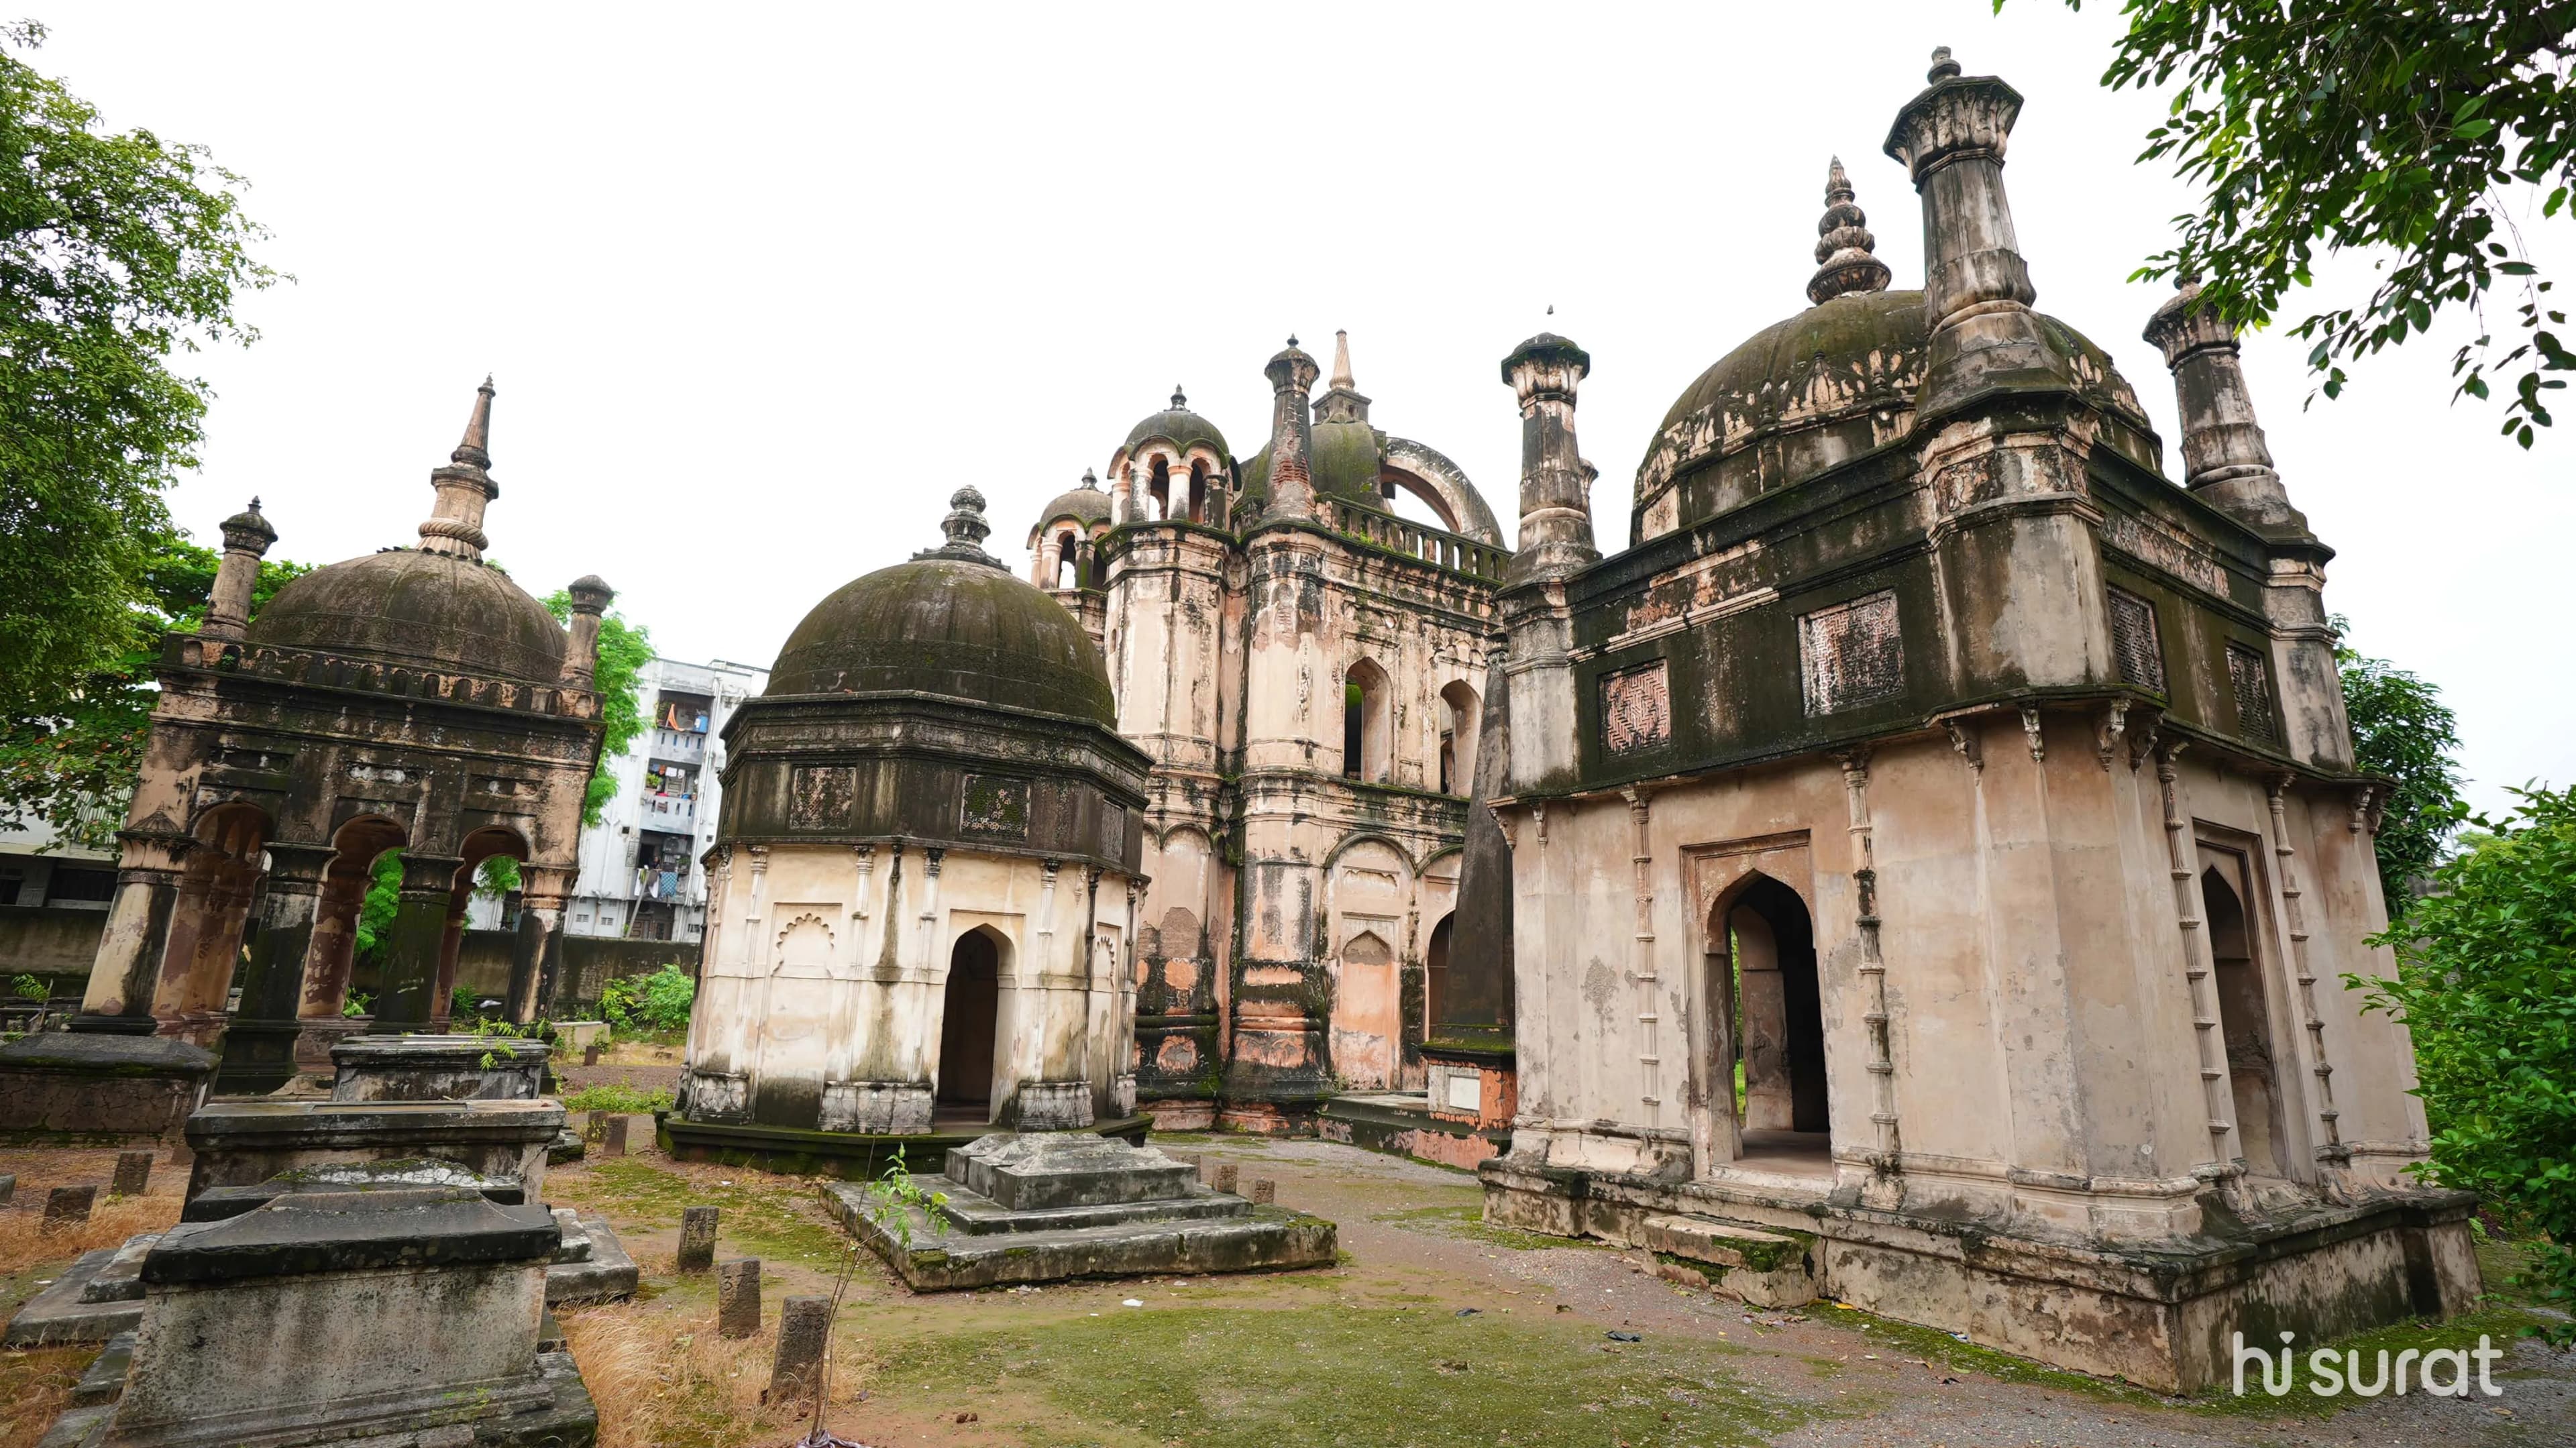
point(1884, 1188)
point(1641, 969)
point(536, 955)
point(128, 963)
point(2181, 853)
point(259, 1048)
point(2294, 916)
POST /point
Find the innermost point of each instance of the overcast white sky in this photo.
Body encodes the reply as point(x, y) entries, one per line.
point(761, 286)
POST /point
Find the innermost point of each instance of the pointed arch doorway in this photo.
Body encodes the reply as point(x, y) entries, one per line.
point(1769, 1058)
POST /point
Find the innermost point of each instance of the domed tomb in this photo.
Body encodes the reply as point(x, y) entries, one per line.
point(1837, 381)
point(921, 913)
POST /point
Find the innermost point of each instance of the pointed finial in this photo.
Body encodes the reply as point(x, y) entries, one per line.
point(1090, 481)
point(966, 530)
point(254, 502)
point(1342, 361)
point(1844, 249)
point(1943, 67)
point(1551, 309)
point(1292, 339)
point(1180, 399)
point(476, 449)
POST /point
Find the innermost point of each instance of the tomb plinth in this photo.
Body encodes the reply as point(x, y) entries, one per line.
point(407, 1315)
point(244, 1143)
point(1051, 1206)
point(439, 1068)
point(98, 1083)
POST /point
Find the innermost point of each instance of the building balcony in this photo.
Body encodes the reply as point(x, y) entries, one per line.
point(679, 744)
point(670, 813)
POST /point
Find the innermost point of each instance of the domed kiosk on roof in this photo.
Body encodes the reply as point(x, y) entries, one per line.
point(921, 909)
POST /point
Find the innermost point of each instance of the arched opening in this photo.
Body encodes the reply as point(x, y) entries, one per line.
point(480, 849)
point(1459, 720)
point(1158, 490)
point(1435, 976)
point(2245, 1024)
point(1414, 500)
point(969, 1014)
point(1198, 491)
point(1770, 1065)
point(331, 954)
point(1068, 560)
point(1365, 753)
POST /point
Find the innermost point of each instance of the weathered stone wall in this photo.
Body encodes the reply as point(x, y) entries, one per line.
point(49, 941)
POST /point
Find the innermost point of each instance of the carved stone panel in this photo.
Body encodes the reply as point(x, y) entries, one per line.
point(2253, 684)
point(1636, 709)
point(819, 796)
point(1851, 654)
point(2134, 646)
point(996, 806)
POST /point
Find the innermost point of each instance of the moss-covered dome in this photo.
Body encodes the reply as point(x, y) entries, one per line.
point(951, 626)
point(1178, 426)
point(1804, 394)
point(1343, 458)
point(421, 610)
point(1086, 505)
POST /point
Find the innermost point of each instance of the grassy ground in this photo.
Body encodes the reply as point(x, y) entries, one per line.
point(1434, 1330)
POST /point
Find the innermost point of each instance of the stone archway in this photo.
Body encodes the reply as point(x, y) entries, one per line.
point(969, 1018)
point(1770, 1059)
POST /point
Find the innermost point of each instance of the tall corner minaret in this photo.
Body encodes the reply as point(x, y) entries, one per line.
point(1554, 544)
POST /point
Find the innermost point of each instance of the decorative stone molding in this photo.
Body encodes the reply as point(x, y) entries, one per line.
point(875, 1108)
point(1054, 1105)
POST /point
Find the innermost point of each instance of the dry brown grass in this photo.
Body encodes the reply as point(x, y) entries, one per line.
point(665, 1381)
point(24, 1243)
point(34, 1386)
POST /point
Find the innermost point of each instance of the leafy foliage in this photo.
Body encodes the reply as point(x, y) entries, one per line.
point(115, 250)
point(376, 911)
point(72, 766)
point(624, 650)
point(651, 1005)
point(2424, 129)
point(496, 877)
point(2486, 983)
point(29, 988)
point(2402, 729)
point(618, 1098)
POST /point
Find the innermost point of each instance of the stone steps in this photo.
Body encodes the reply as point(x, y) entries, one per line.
point(1763, 1266)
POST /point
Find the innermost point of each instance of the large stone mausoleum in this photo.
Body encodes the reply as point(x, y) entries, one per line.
point(925, 875)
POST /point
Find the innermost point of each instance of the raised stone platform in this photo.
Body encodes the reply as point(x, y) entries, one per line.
point(439, 1068)
point(399, 1316)
point(245, 1143)
point(1050, 1206)
point(94, 1084)
point(849, 1155)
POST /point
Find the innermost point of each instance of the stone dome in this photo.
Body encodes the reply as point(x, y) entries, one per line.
point(1178, 426)
point(957, 627)
point(1087, 504)
point(420, 610)
point(1806, 394)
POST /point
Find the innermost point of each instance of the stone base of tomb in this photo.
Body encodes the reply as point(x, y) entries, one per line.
point(1052, 1206)
point(439, 1068)
point(257, 1057)
point(1402, 1123)
point(328, 1318)
point(2156, 1312)
point(56, 1084)
point(247, 1142)
point(101, 1294)
point(849, 1155)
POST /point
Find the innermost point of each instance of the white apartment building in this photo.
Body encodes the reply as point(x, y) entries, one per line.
point(640, 877)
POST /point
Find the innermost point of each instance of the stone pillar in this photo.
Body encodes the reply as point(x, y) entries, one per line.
point(413, 944)
point(1556, 483)
point(1292, 376)
point(536, 956)
point(197, 970)
point(1555, 544)
point(1976, 287)
point(590, 599)
point(246, 539)
point(451, 944)
point(259, 1048)
point(127, 967)
point(1050, 559)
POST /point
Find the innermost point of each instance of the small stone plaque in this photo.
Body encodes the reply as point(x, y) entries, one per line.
point(738, 1297)
point(995, 805)
point(68, 1207)
point(819, 796)
point(133, 1174)
point(804, 1323)
point(1851, 654)
point(1636, 709)
point(697, 1239)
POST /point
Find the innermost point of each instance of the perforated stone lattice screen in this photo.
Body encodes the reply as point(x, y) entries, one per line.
point(1851, 653)
point(2134, 646)
point(819, 795)
point(1636, 709)
point(995, 806)
point(2253, 684)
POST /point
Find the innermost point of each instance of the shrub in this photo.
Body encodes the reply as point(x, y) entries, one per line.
point(618, 1097)
point(649, 1005)
point(2486, 982)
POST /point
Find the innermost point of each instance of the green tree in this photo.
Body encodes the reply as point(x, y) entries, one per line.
point(72, 767)
point(2486, 984)
point(376, 910)
point(2402, 729)
point(115, 251)
point(624, 650)
point(2424, 129)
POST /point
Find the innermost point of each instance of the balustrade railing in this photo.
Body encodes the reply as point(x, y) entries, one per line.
point(1437, 547)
